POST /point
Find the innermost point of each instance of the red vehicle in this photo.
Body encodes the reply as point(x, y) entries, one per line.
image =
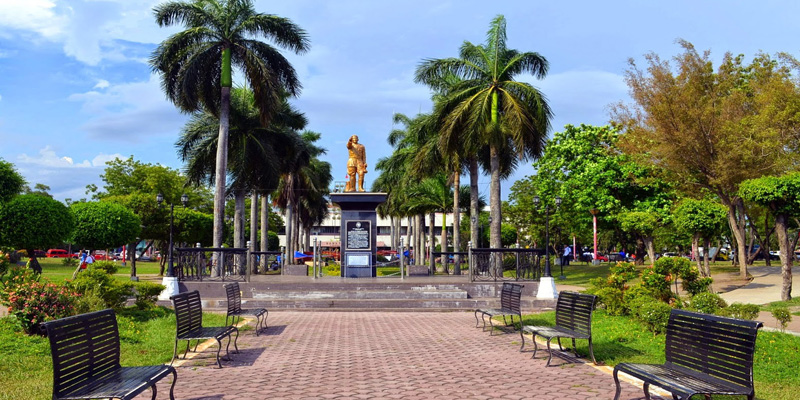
point(100, 255)
point(57, 253)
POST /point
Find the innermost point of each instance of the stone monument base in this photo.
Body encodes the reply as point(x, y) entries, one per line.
point(295, 270)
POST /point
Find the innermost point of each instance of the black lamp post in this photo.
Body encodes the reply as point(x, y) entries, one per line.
point(184, 201)
point(536, 202)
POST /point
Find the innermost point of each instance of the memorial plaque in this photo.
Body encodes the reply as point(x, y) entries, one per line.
point(358, 235)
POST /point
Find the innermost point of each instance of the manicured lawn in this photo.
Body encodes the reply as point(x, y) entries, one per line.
point(146, 338)
point(621, 339)
point(55, 271)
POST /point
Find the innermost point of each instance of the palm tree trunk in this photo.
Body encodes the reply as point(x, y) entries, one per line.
point(238, 219)
point(443, 243)
point(264, 223)
point(253, 229)
point(419, 245)
point(432, 259)
point(409, 229)
point(289, 225)
point(220, 173)
point(495, 240)
point(456, 222)
point(474, 212)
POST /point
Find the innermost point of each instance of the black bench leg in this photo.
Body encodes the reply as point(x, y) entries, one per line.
point(188, 342)
point(560, 347)
point(235, 340)
point(550, 351)
point(172, 387)
point(591, 351)
point(219, 349)
point(477, 322)
point(266, 314)
point(646, 388)
point(522, 336)
point(154, 390)
point(616, 381)
point(535, 345)
point(575, 348)
point(491, 326)
point(174, 352)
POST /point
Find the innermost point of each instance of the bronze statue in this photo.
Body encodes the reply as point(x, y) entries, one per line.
point(356, 164)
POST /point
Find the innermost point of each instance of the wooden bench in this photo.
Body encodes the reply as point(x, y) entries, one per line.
point(510, 296)
point(573, 321)
point(189, 326)
point(85, 351)
point(235, 310)
point(705, 354)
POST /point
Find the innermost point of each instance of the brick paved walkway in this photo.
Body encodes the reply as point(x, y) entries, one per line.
point(373, 355)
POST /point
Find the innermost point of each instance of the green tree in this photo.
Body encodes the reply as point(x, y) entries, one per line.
point(583, 165)
point(31, 221)
point(781, 194)
point(196, 66)
point(712, 129)
point(103, 225)
point(701, 219)
point(11, 182)
point(490, 107)
point(643, 224)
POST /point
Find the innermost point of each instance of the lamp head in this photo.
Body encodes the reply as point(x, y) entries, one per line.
point(558, 201)
point(184, 199)
point(159, 199)
point(536, 201)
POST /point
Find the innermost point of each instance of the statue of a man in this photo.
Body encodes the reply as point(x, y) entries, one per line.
point(356, 164)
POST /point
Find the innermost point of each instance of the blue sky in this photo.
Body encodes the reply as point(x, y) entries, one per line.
point(76, 90)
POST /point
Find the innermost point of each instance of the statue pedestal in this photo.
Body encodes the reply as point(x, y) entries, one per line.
point(547, 288)
point(358, 232)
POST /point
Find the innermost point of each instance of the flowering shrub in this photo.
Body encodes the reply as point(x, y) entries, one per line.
point(33, 302)
point(655, 315)
point(97, 281)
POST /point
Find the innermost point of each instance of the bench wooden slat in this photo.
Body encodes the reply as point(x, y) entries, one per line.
point(189, 325)
point(718, 351)
point(85, 351)
point(510, 301)
point(573, 321)
point(235, 310)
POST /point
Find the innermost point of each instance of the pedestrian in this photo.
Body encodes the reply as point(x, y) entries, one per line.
point(565, 257)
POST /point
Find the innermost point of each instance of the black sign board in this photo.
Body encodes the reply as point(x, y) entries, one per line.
point(358, 235)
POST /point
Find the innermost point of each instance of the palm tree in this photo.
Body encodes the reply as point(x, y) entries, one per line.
point(488, 108)
point(255, 152)
point(196, 66)
point(303, 188)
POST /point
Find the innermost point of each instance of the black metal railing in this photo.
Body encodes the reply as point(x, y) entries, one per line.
point(204, 263)
point(492, 264)
point(451, 259)
point(265, 262)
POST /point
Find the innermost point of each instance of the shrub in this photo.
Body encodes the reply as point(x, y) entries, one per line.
point(707, 302)
point(656, 279)
point(90, 301)
point(95, 279)
point(33, 302)
point(146, 294)
point(635, 296)
point(109, 267)
point(782, 314)
point(621, 273)
point(5, 263)
point(611, 298)
point(69, 262)
point(741, 311)
point(655, 315)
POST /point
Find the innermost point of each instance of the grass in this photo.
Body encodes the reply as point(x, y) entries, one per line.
point(55, 271)
point(621, 339)
point(146, 338)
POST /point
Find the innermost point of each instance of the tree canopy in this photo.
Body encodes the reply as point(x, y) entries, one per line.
point(104, 225)
point(11, 182)
point(31, 221)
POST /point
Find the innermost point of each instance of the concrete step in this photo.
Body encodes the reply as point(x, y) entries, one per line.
point(415, 293)
point(333, 304)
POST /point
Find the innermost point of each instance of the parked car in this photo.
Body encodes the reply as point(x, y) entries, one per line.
point(57, 253)
point(100, 255)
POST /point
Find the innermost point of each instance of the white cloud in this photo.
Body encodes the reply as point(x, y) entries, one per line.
point(1, 98)
point(38, 16)
point(89, 30)
point(128, 111)
point(66, 178)
point(101, 84)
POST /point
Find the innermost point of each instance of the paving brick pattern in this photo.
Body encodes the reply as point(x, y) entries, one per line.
point(373, 355)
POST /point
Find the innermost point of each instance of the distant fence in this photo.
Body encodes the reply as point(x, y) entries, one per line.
point(224, 264)
point(492, 264)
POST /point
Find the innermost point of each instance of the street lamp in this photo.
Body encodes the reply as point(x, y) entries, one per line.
point(170, 281)
point(547, 285)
